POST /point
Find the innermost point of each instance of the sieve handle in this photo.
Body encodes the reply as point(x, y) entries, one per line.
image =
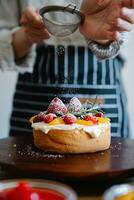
point(71, 6)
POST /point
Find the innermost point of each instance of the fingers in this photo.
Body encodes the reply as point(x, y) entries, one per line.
point(128, 14)
point(110, 35)
point(37, 35)
point(37, 32)
point(122, 25)
point(32, 18)
point(33, 25)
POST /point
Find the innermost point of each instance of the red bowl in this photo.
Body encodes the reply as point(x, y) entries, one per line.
point(30, 189)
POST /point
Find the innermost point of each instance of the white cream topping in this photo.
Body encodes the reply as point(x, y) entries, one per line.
point(94, 130)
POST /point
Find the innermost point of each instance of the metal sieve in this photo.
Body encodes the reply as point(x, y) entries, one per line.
point(61, 21)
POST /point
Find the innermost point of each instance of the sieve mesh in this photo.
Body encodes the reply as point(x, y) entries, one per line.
point(61, 21)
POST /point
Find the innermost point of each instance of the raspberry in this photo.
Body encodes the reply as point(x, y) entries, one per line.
point(99, 115)
point(69, 119)
point(56, 105)
point(49, 117)
point(74, 105)
point(91, 118)
point(39, 117)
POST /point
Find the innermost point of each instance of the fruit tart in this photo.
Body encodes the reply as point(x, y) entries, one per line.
point(76, 128)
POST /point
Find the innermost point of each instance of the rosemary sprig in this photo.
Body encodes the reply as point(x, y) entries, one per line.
point(88, 108)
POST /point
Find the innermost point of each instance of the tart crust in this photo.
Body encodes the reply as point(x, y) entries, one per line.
point(72, 141)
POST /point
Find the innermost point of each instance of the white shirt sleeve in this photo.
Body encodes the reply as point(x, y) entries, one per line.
point(7, 57)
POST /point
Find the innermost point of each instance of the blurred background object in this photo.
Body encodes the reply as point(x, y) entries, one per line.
point(119, 192)
point(35, 190)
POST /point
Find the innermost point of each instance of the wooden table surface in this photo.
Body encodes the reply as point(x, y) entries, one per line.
point(104, 167)
point(18, 154)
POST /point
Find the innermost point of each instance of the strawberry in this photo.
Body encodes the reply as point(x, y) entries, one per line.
point(99, 115)
point(56, 105)
point(69, 119)
point(49, 117)
point(91, 118)
point(74, 105)
point(39, 117)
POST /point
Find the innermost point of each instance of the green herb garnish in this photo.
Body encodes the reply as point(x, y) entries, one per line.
point(88, 108)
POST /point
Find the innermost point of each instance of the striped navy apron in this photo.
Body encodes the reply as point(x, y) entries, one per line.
point(73, 72)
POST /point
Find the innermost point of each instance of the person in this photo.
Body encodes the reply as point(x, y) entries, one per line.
point(65, 67)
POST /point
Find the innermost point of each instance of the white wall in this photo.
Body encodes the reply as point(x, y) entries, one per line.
point(7, 84)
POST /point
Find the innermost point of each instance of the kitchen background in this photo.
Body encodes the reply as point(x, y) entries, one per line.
point(8, 80)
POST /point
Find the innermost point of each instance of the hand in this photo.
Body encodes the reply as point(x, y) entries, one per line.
point(93, 6)
point(33, 26)
point(107, 19)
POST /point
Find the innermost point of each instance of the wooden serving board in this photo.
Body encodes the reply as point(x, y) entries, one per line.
point(19, 155)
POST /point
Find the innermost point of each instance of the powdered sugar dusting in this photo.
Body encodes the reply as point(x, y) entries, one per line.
point(60, 50)
point(30, 151)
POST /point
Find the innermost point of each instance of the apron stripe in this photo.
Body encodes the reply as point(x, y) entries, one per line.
point(111, 101)
point(81, 53)
point(48, 69)
point(95, 70)
point(59, 90)
point(40, 72)
point(103, 80)
point(21, 85)
point(90, 68)
point(85, 78)
point(66, 74)
point(56, 65)
point(51, 65)
point(19, 131)
point(114, 129)
point(39, 52)
point(99, 73)
point(25, 77)
point(61, 64)
point(111, 72)
point(123, 115)
point(76, 66)
point(43, 68)
point(71, 64)
point(123, 99)
point(120, 109)
point(21, 124)
point(107, 73)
